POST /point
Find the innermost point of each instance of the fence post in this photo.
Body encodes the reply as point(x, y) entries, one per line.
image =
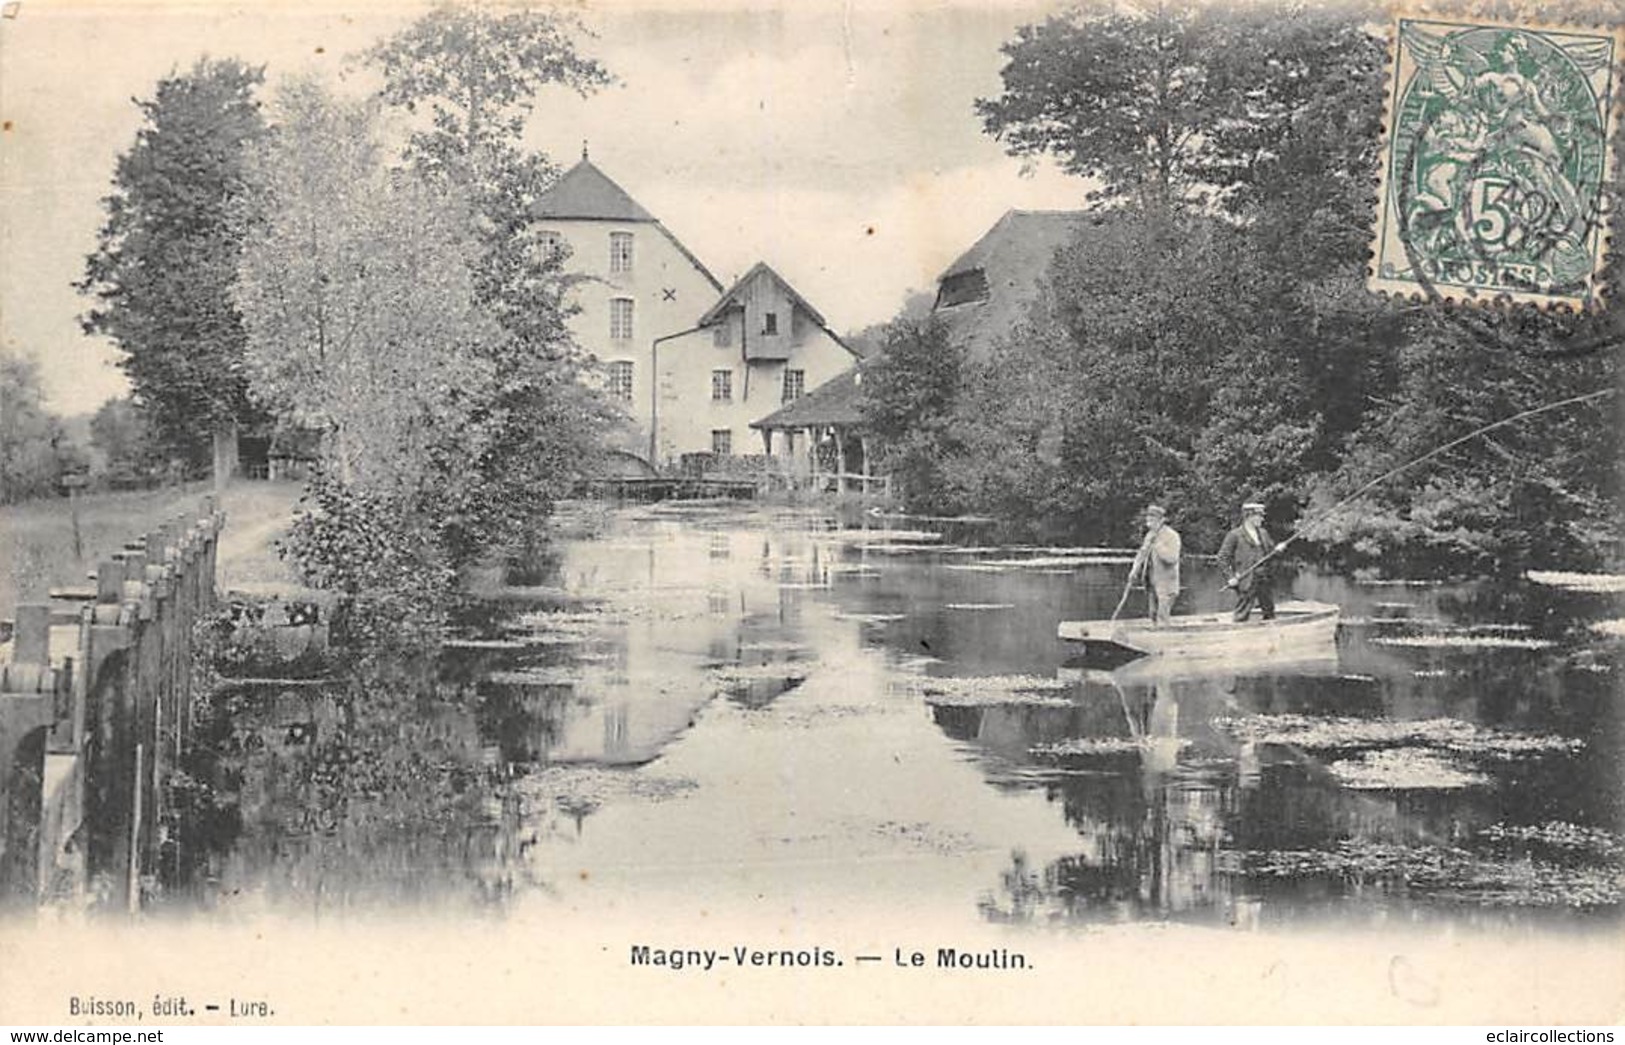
point(121, 710)
point(27, 712)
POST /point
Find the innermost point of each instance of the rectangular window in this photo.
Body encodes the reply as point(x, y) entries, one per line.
point(550, 243)
point(722, 441)
point(620, 252)
point(620, 380)
point(620, 319)
point(770, 323)
point(722, 386)
point(795, 384)
point(722, 335)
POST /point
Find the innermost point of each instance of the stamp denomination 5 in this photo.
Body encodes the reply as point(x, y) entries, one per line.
point(1496, 164)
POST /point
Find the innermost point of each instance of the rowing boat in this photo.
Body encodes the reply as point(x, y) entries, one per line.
point(1298, 628)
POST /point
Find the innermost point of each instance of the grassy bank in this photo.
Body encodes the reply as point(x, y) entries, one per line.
point(37, 548)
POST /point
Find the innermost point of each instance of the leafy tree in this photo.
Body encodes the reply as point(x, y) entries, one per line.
point(358, 298)
point(1182, 105)
point(166, 257)
point(30, 435)
point(121, 431)
point(1118, 95)
point(908, 397)
point(477, 75)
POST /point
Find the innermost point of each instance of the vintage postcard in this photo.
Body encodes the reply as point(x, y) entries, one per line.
point(707, 511)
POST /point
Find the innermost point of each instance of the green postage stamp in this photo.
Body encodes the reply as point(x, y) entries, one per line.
point(1496, 175)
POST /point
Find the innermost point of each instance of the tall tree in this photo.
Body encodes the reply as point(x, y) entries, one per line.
point(1117, 95)
point(909, 393)
point(166, 257)
point(30, 435)
point(121, 432)
point(476, 75)
point(357, 294)
point(1180, 104)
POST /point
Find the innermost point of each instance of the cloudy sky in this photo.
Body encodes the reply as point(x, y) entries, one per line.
point(834, 140)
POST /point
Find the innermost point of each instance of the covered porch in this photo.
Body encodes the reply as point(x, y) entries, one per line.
point(818, 442)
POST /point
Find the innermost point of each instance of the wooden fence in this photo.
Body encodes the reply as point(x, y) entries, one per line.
point(91, 729)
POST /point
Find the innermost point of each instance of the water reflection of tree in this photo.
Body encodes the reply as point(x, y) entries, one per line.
point(399, 793)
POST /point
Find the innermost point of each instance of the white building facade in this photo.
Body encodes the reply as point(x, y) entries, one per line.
point(691, 364)
point(635, 283)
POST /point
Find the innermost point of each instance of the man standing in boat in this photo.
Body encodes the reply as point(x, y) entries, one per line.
point(1243, 557)
point(1157, 563)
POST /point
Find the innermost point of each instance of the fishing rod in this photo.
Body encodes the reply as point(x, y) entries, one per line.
point(1384, 477)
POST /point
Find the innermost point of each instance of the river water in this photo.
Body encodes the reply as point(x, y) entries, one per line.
point(719, 706)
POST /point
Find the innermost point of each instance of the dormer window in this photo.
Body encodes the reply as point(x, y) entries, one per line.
point(962, 287)
point(770, 323)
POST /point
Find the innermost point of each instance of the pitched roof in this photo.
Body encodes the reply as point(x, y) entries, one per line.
point(585, 192)
point(1007, 266)
point(730, 295)
point(835, 402)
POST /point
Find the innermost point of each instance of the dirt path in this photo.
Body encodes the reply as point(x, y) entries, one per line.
point(257, 515)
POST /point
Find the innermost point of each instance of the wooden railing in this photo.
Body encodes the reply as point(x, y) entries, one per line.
point(90, 730)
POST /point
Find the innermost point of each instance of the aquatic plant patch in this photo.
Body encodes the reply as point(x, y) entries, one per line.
point(1039, 561)
point(1312, 734)
point(1592, 582)
point(1074, 746)
point(562, 623)
point(582, 789)
point(1445, 873)
point(1558, 834)
point(1475, 642)
point(548, 676)
point(774, 646)
point(882, 536)
point(1404, 769)
point(984, 690)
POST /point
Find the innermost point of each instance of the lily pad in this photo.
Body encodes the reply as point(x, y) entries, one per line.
point(987, 690)
point(1592, 582)
point(1104, 745)
point(1405, 769)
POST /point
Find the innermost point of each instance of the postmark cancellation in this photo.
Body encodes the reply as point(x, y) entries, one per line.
point(1497, 162)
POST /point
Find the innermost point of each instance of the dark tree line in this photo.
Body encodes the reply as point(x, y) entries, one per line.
point(1208, 337)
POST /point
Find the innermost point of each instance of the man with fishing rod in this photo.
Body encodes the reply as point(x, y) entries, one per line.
point(1244, 557)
